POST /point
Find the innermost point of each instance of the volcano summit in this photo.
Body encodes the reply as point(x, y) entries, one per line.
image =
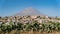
point(29, 12)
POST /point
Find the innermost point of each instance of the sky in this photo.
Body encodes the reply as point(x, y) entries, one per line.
point(48, 7)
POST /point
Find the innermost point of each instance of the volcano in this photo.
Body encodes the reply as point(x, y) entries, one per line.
point(29, 12)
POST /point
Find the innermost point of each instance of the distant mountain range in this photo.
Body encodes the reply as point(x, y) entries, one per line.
point(29, 12)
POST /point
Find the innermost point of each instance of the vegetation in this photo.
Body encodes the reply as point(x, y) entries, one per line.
point(35, 26)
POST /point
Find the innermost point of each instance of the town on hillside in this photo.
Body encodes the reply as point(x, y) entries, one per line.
point(26, 19)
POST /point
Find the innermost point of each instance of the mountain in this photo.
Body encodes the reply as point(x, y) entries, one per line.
point(30, 12)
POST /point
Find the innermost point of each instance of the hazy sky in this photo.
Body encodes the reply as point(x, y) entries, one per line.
point(48, 7)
